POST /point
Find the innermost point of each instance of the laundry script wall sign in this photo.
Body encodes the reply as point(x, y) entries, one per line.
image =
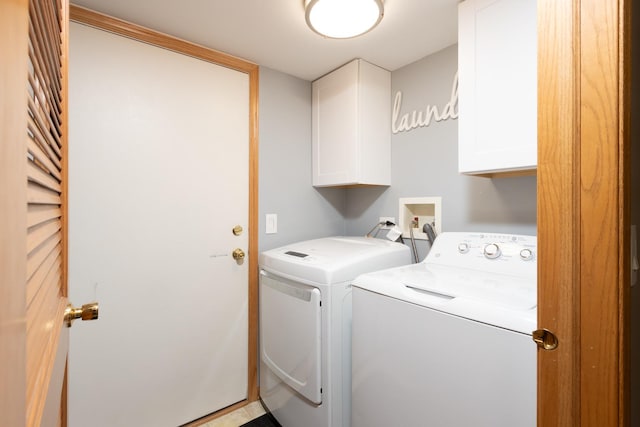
point(424, 117)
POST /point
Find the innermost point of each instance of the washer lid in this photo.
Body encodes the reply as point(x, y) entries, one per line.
point(501, 300)
point(512, 292)
point(333, 259)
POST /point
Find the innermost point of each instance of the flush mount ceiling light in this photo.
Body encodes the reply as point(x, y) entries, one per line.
point(343, 19)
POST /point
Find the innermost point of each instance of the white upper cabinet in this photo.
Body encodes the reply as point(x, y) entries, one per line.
point(497, 60)
point(351, 126)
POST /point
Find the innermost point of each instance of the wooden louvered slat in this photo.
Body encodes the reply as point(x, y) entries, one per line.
point(39, 307)
point(42, 127)
point(37, 214)
point(45, 47)
point(41, 195)
point(41, 271)
point(37, 235)
point(36, 174)
point(36, 129)
point(42, 158)
point(37, 81)
point(40, 254)
point(40, 93)
point(51, 27)
point(39, 336)
point(38, 72)
point(41, 104)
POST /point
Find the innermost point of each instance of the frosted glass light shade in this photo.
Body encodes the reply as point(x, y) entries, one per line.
point(342, 19)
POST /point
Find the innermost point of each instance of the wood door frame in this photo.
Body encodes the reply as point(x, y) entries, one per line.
point(145, 35)
point(583, 210)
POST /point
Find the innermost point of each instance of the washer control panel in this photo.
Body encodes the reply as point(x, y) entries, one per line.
point(526, 254)
point(463, 247)
point(500, 253)
point(492, 251)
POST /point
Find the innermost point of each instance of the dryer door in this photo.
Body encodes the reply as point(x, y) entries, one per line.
point(290, 326)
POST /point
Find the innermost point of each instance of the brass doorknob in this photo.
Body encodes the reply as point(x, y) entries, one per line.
point(86, 312)
point(545, 339)
point(238, 254)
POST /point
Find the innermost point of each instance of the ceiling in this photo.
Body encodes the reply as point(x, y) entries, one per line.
point(274, 33)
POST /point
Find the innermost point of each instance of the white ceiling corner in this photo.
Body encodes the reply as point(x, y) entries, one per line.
point(274, 34)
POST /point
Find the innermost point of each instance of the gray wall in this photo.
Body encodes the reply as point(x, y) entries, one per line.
point(285, 166)
point(425, 163)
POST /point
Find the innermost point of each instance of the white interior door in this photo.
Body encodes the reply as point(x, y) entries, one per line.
point(158, 178)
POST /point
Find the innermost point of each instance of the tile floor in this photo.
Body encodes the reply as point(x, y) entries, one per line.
point(238, 417)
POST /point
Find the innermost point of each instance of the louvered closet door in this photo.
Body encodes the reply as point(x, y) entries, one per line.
point(46, 209)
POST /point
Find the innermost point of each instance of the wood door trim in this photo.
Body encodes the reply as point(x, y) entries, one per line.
point(625, 32)
point(558, 208)
point(583, 215)
point(253, 380)
point(146, 35)
point(599, 213)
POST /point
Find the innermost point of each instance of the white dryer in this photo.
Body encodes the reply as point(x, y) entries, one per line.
point(447, 342)
point(305, 325)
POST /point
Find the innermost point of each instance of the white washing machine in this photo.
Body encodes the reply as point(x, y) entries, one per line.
point(305, 325)
point(447, 342)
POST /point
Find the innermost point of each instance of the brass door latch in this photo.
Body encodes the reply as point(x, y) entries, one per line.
point(86, 312)
point(545, 339)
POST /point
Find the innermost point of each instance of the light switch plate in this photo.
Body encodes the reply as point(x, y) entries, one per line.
point(271, 223)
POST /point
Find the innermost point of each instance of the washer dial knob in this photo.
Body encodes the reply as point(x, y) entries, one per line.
point(492, 251)
point(526, 254)
point(463, 247)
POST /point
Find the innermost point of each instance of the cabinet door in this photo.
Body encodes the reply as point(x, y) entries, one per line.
point(334, 127)
point(497, 60)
